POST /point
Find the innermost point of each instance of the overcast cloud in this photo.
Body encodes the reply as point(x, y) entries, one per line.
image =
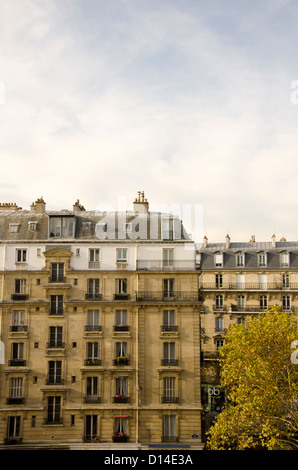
point(189, 101)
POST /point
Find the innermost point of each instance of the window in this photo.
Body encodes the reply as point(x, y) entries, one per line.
point(168, 288)
point(55, 337)
point(92, 352)
point(17, 351)
point(285, 281)
point(93, 289)
point(286, 302)
point(168, 257)
point(93, 320)
point(263, 302)
point(16, 390)
point(121, 320)
point(167, 230)
point(121, 287)
point(169, 390)
point(263, 281)
point(219, 343)
point(121, 255)
point(18, 320)
point(169, 354)
point(20, 286)
point(55, 372)
point(54, 410)
point(94, 260)
point(21, 255)
point(239, 259)
point(90, 427)
point(218, 302)
point(169, 428)
point(218, 280)
point(219, 324)
point(13, 228)
point(240, 320)
point(218, 259)
point(240, 280)
point(121, 389)
point(61, 227)
point(284, 259)
point(168, 320)
point(57, 272)
point(38, 252)
point(13, 427)
point(120, 426)
point(240, 302)
point(78, 252)
point(56, 305)
point(262, 259)
point(121, 350)
point(92, 389)
point(32, 226)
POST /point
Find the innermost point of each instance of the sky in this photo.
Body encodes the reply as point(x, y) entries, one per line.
point(194, 102)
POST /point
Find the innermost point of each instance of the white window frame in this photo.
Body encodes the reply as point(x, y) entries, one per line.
point(21, 255)
point(121, 255)
point(218, 259)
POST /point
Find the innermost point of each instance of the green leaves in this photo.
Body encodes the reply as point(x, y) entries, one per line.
point(262, 384)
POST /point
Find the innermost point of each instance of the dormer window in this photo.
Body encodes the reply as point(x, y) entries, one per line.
point(13, 228)
point(240, 259)
point(32, 226)
point(61, 226)
point(284, 259)
point(218, 259)
point(262, 259)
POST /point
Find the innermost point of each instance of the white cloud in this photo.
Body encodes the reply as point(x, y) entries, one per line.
point(103, 101)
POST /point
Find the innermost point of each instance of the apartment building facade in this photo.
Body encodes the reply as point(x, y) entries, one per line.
point(238, 281)
point(100, 329)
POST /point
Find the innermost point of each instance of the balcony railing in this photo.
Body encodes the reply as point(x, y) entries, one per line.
point(121, 361)
point(16, 296)
point(170, 439)
point(122, 296)
point(158, 296)
point(92, 362)
point(93, 328)
point(169, 328)
point(161, 265)
point(121, 327)
point(17, 362)
point(169, 362)
point(15, 401)
point(166, 399)
point(18, 328)
point(121, 399)
point(55, 344)
point(92, 399)
point(93, 296)
point(58, 279)
point(248, 286)
point(54, 381)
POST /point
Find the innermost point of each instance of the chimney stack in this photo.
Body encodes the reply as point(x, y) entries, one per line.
point(141, 205)
point(205, 243)
point(227, 241)
point(39, 206)
point(273, 238)
point(77, 206)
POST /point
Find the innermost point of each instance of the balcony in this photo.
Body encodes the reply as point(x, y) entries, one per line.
point(121, 361)
point(17, 362)
point(92, 362)
point(160, 265)
point(169, 362)
point(18, 328)
point(159, 296)
point(248, 286)
point(15, 401)
point(92, 399)
point(166, 399)
point(121, 399)
point(57, 279)
point(19, 297)
point(94, 328)
point(121, 328)
point(54, 381)
point(55, 345)
point(169, 328)
point(93, 296)
point(122, 296)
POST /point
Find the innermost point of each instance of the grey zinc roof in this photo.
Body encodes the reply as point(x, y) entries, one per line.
point(144, 225)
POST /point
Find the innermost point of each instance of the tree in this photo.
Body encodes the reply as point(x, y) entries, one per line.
point(261, 378)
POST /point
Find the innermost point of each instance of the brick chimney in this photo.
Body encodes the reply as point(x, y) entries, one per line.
point(141, 205)
point(39, 206)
